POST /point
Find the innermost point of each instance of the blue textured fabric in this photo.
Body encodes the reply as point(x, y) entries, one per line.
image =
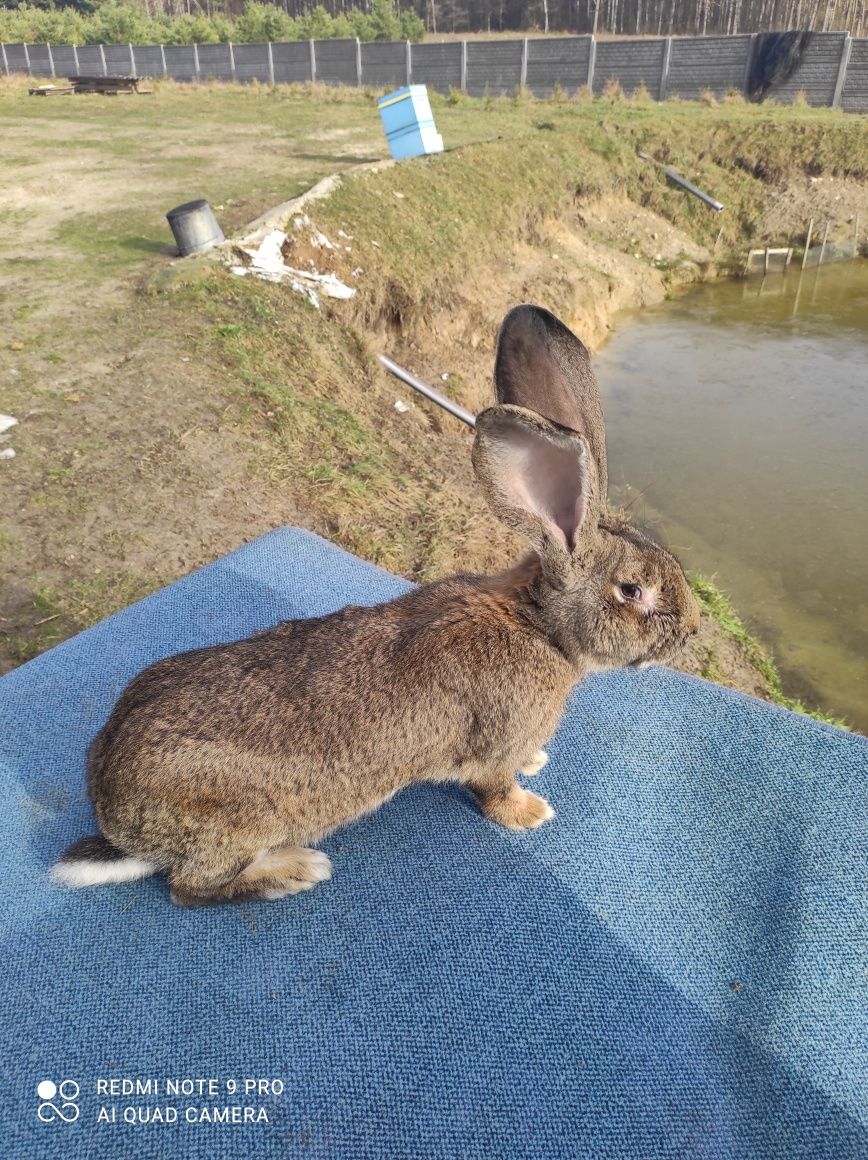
point(673, 968)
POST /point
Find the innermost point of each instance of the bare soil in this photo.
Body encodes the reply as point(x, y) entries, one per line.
point(147, 446)
point(840, 201)
point(591, 269)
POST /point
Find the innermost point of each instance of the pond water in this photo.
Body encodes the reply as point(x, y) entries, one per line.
point(737, 417)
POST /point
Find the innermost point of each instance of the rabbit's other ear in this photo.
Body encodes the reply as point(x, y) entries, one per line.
point(539, 479)
point(542, 366)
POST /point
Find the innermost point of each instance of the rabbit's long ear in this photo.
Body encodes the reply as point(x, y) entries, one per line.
point(539, 479)
point(542, 366)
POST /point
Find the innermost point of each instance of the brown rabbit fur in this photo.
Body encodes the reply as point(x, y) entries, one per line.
point(223, 765)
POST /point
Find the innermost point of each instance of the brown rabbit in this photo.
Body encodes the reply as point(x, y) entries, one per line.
point(222, 765)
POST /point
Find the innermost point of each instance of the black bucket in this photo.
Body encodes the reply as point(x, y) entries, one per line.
point(195, 228)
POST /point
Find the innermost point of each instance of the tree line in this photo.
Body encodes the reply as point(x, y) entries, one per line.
point(169, 22)
point(210, 21)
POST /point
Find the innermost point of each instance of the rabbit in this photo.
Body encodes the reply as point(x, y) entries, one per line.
point(223, 766)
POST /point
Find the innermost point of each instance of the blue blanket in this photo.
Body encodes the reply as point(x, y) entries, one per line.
point(673, 968)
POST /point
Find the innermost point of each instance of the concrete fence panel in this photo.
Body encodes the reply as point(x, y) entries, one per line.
point(291, 62)
point(89, 60)
point(631, 63)
point(817, 71)
point(437, 65)
point(833, 69)
point(384, 65)
point(17, 58)
point(251, 63)
point(493, 66)
point(64, 60)
point(40, 60)
point(557, 61)
point(117, 60)
point(215, 62)
point(336, 62)
point(149, 59)
point(854, 97)
point(717, 63)
point(180, 61)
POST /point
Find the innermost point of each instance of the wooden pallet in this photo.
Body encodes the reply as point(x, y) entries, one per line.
point(108, 86)
point(51, 91)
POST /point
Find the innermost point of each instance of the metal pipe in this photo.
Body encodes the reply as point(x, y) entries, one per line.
point(428, 392)
point(677, 179)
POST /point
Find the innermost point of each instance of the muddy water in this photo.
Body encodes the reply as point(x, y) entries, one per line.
point(739, 411)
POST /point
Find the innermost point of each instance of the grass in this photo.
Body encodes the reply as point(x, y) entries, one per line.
point(716, 605)
point(243, 148)
point(325, 416)
point(303, 385)
point(58, 613)
point(463, 206)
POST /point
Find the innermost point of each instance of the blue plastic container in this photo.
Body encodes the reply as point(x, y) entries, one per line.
point(409, 123)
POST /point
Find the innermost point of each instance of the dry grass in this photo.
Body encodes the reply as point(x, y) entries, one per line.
point(290, 397)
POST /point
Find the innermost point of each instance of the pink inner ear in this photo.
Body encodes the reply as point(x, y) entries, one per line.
point(549, 481)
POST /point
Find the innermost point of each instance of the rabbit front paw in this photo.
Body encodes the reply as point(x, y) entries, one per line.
point(519, 810)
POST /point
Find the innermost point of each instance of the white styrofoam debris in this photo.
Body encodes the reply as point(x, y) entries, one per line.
point(317, 238)
point(267, 262)
point(6, 421)
point(320, 240)
point(7, 453)
point(269, 276)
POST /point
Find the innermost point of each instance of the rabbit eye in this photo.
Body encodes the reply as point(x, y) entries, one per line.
point(630, 591)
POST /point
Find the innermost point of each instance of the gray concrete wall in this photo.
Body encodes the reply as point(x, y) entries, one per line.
point(695, 63)
point(493, 67)
point(717, 63)
point(291, 62)
point(384, 65)
point(855, 92)
point(559, 61)
point(215, 62)
point(336, 62)
point(251, 62)
point(117, 59)
point(89, 59)
point(39, 59)
point(64, 60)
point(817, 72)
point(631, 63)
point(180, 62)
point(437, 65)
point(149, 60)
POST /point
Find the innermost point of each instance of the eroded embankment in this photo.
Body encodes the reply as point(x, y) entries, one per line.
point(236, 406)
point(439, 250)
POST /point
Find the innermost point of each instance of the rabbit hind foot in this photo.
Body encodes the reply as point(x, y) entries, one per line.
point(272, 874)
point(535, 764)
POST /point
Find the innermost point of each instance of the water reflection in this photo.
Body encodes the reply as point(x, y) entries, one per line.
point(740, 412)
